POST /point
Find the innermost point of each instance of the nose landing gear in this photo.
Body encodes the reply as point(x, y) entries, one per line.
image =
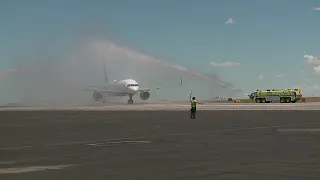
point(130, 101)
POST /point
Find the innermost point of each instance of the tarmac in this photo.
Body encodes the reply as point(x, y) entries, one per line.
point(171, 106)
point(160, 145)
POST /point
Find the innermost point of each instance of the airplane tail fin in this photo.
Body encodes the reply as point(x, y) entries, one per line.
point(105, 72)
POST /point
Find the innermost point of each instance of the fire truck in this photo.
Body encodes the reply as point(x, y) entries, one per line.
point(274, 95)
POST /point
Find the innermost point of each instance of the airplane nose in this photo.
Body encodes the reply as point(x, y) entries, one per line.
point(135, 89)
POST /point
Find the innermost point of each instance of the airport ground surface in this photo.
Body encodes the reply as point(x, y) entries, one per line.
point(173, 106)
point(159, 145)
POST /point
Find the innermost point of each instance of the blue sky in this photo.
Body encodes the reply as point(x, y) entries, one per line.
point(268, 39)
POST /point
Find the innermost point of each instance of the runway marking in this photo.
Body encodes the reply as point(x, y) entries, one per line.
point(31, 169)
point(174, 107)
point(300, 130)
point(142, 129)
point(136, 130)
point(17, 147)
point(96, 141)
point(160, 150)
point(118, 143)
point(166, 135)
point(244, 128)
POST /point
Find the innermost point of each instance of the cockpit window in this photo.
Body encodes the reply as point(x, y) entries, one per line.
point(129, 85)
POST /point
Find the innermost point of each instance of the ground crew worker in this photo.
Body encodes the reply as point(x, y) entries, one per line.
point(193, 110)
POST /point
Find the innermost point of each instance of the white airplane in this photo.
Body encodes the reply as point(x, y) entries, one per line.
point(220, 97)
point(126, 87)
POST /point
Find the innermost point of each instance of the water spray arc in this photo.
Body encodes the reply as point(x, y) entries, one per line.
point(61, 82)
point(102, 49)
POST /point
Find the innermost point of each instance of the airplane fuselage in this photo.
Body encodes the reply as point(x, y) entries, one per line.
point(123, 87)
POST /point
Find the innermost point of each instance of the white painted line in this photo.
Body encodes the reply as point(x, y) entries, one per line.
point(300, 130)
point(136, 130)
point(165, 135)
point(17, 147)
point(175, 107)
point(96, 141)
point(31, 169)
point(119, 142)
point(160, 150)
point(237, 129)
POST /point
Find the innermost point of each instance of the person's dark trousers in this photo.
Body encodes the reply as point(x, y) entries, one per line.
point(193, 112)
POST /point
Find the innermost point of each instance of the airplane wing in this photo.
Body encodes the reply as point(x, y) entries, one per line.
point(104, 89)
point(144, 89)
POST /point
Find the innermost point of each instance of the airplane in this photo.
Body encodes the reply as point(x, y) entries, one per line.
point(125, 87)
point(220, 98)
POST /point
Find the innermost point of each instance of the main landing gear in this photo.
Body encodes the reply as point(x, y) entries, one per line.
point(130, 101)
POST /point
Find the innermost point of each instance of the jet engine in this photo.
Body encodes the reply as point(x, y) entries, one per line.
point(97, 96)
point(144, 95)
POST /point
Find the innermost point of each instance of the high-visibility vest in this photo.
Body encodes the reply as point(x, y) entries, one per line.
point(193, 103)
